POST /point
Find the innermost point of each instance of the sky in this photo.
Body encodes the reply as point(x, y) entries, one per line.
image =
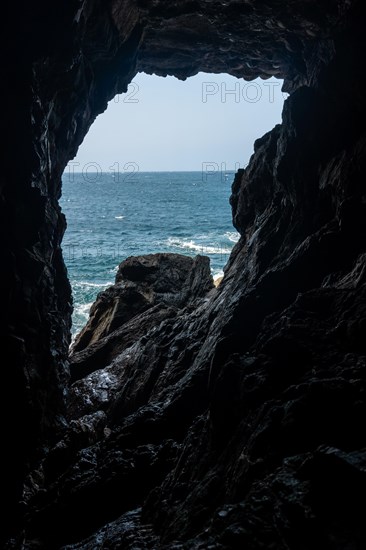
point(207, 122)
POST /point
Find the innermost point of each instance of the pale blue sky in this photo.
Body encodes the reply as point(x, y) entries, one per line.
point(167, 124)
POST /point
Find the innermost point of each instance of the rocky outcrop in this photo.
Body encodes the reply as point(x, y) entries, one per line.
point(141, 283)
point(148, 290)
point(237, 422)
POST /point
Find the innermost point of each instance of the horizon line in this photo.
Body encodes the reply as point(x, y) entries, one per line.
point(153, 171)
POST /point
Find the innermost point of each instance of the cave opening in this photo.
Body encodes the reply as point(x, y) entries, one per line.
point(154, 174)
point(241, 421)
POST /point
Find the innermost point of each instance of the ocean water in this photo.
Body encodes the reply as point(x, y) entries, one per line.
point(113, 216)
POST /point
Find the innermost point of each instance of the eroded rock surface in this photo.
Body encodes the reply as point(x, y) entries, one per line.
point(237, 421)
point(141, 283)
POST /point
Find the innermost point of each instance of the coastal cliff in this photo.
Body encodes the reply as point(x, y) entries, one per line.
point(210, 418)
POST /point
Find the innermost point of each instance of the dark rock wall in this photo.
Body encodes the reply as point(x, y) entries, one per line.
point(238, 423)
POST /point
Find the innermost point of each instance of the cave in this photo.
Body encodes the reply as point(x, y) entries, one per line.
point(234, 422)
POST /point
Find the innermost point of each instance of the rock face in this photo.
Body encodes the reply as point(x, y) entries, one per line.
point(161, 282)
point(234, 422)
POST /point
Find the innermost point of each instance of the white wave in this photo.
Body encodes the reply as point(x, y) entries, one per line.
point(86, 284)
point(233, 236)
point(83, 309)
point(217, 275)
point(118, 217)
point(200, 248)
point(80, 319)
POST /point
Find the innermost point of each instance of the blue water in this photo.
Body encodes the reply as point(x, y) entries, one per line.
point(112, 217)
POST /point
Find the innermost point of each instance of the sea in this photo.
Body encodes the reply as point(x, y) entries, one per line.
point(113, 216)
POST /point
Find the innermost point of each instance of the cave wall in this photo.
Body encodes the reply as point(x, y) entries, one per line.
point(266, 409)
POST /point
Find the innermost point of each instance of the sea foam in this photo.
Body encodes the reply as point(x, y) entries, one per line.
point(200, 248)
